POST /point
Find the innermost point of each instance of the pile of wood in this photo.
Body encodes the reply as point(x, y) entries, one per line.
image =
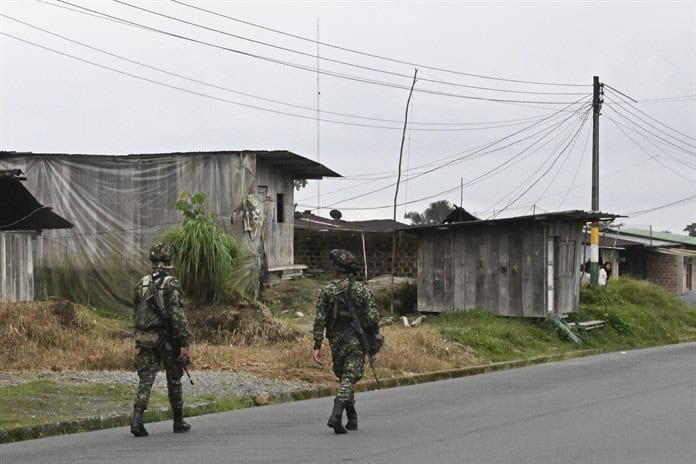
point(587, 325)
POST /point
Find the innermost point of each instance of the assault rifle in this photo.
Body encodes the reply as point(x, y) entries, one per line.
point(169, 345)
point(358, 329)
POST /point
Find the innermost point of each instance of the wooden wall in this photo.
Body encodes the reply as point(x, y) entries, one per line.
point(519, 269)
point(16, 267)
point(278, 236)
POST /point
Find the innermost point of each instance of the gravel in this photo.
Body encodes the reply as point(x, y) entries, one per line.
point(215, 383)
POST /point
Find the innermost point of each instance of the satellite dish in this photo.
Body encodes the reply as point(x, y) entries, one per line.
point(335, 214)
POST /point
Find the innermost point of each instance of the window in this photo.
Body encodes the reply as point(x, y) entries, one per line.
point(280, 208)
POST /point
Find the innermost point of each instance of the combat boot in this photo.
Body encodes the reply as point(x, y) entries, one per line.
point(352, 416)
point(335, 421)
point(137, 427)
point(180, 425)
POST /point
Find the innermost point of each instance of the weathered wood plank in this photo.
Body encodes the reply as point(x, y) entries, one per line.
point(493, 236)
point(481, 263)
point(459, 254)
point(516, 266)
point(503, 271)
point(438, 267)
point(448, 276)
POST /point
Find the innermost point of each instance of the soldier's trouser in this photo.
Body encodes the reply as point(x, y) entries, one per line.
point(149, 362)
point(348, 365)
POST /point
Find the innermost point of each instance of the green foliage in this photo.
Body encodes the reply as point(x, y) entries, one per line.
point(638, 313)
point(299, 183)
point(496, 338)
point(207, 256)
point(434, 214)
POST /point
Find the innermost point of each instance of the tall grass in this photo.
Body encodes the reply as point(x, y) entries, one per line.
point(207, 256)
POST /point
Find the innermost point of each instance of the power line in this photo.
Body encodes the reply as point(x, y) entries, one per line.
point(193, 92)
point(635, 124)
point(306, 68)
point(657, 121)
point(501, 124)
point(555, 160)
point(410, 64)
point(470, 153)
point(652, 156)
point(674, 203)
point(661, 131)
point(344, 63)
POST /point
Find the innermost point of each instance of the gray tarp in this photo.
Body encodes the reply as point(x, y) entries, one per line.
point(119, 206)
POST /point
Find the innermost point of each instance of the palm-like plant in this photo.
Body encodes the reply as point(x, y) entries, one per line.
point(207, 256)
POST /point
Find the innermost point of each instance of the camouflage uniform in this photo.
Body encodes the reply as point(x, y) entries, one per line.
point(347, 352)
point(155, 348)
point(152, 356)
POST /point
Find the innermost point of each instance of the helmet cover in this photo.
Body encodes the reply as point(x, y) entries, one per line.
point(344, 260)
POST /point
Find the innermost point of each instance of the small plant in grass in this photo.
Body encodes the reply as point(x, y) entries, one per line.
point(207, 256)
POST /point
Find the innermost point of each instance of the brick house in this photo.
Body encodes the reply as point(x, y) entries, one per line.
point(666, 259)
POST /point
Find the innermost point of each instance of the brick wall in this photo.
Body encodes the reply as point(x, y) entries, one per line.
point(662, 270)
point(312, 248)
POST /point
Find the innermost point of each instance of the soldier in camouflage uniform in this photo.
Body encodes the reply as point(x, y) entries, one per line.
point(157, 347)
point(346, 350)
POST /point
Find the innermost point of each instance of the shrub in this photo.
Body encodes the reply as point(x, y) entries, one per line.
point(207, 256)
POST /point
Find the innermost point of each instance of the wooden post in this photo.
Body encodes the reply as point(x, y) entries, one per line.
point(396, 194)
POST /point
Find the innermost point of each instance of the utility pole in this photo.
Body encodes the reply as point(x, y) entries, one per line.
point(597, 94)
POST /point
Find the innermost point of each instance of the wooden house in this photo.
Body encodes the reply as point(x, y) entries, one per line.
point(22, 219)
point(121, 204)
point(526, 266)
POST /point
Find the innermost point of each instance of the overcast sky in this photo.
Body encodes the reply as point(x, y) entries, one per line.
point(501, 104)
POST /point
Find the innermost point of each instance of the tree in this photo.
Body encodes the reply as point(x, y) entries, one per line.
point(299, 183)
point(691, 229)
point(433, 214)
point(206, 255)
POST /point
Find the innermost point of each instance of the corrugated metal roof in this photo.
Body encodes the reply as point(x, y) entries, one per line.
point(312, 221)
point(299, 166)
point(574, 215)
point(665, 236)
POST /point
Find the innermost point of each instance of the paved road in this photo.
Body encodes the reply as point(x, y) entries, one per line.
point(634, 407)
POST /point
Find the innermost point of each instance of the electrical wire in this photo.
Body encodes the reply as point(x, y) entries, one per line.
point(393, 60)
point(311, 69)
point(627, 108)
point(654, 136)
point(470, 182)
point(330, 60)
point(212, 97)
point(492, 125)
point(555, 160)
point(565, 136)
point(668, 205)
point(652, 156)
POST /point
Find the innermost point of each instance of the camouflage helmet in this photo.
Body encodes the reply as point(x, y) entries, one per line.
point(162, 252)
point(344, 260)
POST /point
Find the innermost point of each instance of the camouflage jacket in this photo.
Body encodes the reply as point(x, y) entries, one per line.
point(330, 306)
point(170, 295)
